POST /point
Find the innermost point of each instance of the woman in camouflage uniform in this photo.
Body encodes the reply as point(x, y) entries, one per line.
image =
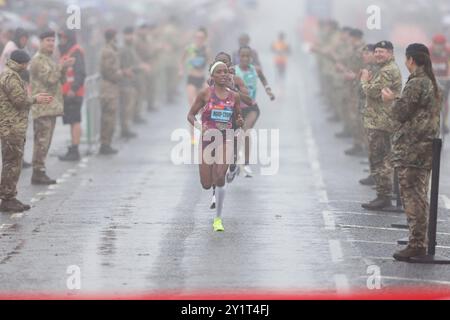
point(418, 112)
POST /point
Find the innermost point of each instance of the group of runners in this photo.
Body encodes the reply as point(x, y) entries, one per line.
point(225, 102)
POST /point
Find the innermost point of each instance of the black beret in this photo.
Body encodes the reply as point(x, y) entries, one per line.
point(356, 33)
point(369, 47)
point(384, 45)
point(346, 29)
point(110, 34)
point(47, 34)
point(20, 56)
point(417, 48)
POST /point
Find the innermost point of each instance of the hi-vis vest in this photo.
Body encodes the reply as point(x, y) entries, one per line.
point(70, 73)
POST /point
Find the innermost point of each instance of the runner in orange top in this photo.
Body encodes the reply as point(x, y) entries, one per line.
point(281, 50)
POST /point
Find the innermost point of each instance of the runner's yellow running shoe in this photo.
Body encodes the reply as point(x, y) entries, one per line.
point(218, 226)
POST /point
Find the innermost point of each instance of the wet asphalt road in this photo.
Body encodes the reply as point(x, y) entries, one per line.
point(138, 223)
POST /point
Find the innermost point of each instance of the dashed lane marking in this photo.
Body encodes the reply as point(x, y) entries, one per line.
point(413, 280)
point(342, 285)
point(446, 201)
point(5, 226)
point(388, 243)
point(380, 228)
point(336, 251)
point(328, 218)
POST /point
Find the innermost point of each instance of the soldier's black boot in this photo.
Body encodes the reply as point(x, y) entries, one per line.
point(40, 178)
point(127, 134)
point(72, 155)
point(343, 135)
point(379, 203)
point(334, 118)
point(26, 165)
point(106, 150)
point(140, 120)
point(369, 181)
point(13, 206)
point(406, 254)
point(356, 151)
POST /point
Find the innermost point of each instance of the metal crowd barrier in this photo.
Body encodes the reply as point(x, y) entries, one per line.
point(91, 111)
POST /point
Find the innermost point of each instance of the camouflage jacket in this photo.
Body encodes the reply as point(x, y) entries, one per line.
point(47, 77)
point(129, 60)
point(377, 114)
point(362, 98)
point(418, 112)
point(14, 102)
point(109, 71)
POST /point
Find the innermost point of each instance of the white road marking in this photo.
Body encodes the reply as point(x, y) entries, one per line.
point(72, 171)
point(85, 160)
point(336, 251)
point(446, 201)
point(323, 196)
point(82, 165)
point(50, 193)
point(342, 285)
point(53, 187)
point(413, 280)
point(328, 218)
point(66, 175)
point(60, 181)
point(380, 228)
point(380, 215)
point(5, 226)
point(16, 216)
point(387, 243)
point(34, 200)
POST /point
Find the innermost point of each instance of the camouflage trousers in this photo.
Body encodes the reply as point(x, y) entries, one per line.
point(360, 139)
point(129, 102)
point(12, 157)
point(150, 91)
point(44, 128)
point(380, 164)
point(109, 105)
point(171, 83)
point(414, 185)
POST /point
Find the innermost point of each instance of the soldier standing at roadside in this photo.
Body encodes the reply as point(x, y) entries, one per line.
point(418, 112)
point(46, 76)
point(129, 63)
point(15, 107)
point(379, 122)
point(109, 91)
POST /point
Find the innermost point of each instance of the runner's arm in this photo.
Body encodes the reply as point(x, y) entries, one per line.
point(263, 79)
point(199, 102)
point(238, 112)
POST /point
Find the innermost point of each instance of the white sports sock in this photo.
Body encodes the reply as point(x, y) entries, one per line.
point(220, 197)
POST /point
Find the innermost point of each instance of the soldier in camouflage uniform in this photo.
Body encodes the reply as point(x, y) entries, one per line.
point(145, 54)
point(15, 107)
point(46, 76)
point(379, 122)
point(351, 75)
point(371, 66)
point(418, 112)
point(170, 52)
point(109, 91)
point(129, 63)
